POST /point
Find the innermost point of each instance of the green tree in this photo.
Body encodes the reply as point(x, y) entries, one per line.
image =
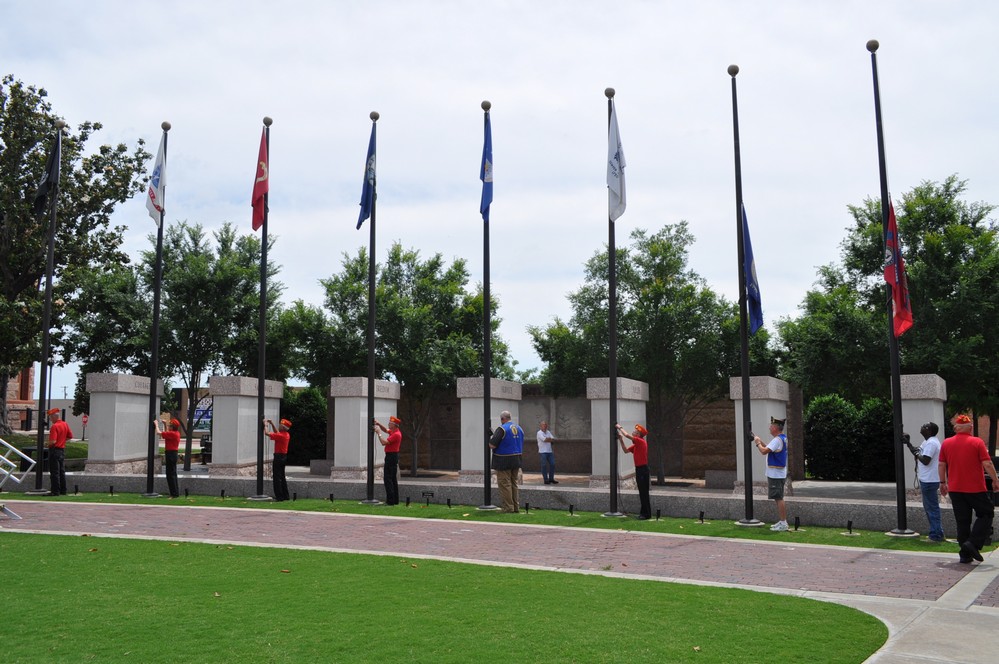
point(209, 316)
point(93, 182)
point(428, 328)
point(952, 259)
point(674, 333)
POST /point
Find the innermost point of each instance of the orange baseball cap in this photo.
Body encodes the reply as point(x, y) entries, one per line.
point(52, 411)
point(642, 430)
point(286, 423)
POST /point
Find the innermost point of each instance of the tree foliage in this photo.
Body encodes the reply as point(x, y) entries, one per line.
point(428, 328)
point(92, 183)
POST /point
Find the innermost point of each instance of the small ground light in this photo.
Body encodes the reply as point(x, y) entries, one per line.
point(702, 517)
point(407, 501)
point(111, 489)
point(223, 494)
point(527, 507)
point(658, 514)
point(449, 503)
point(76, 489)
point(797, 522)
point(331, 497)
point(849, 527)
point(294, 496)
point(186, 493)
point(571, 508)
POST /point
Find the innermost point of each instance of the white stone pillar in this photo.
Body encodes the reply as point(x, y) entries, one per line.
point(351, 426)
point(119, 423)
point(632, 396)
point(923, 397)
point(503, 395)
point(767, 398)
point(236, 424)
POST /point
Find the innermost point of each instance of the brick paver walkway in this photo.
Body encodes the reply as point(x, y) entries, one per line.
point(794, 567)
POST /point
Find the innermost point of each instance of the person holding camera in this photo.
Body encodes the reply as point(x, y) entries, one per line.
point(927, 461)
point(776, 453)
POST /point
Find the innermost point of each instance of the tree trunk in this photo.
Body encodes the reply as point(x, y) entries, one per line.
point(993, 416)
point(4, 383)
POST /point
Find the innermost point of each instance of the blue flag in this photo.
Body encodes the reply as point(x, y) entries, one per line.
point(753, 302)
point(368, 188)
point(486, 172)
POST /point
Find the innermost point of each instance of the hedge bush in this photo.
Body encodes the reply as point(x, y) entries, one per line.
point(845, 443)
point(306, 408)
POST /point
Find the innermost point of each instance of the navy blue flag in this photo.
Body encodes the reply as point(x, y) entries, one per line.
point(486, 172)
point(753, 302)
point(50, 180)
point(368, 189)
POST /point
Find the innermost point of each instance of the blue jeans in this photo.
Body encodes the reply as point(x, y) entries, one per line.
point(931, 504)
point(547, 466)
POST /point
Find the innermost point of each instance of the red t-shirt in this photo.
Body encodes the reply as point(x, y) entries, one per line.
point(59, 433)
point(640, 449)
point(171, 440)
point(281, 439)
point(964, 454)
point(394, 441)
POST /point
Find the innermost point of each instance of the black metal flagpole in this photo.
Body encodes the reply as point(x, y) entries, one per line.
point(896, 379)
point(47, 310)
point(487, 499)
point(747, 425)
point(262, 340)
point(370, 486)
point(612, 341)
point(154, 356)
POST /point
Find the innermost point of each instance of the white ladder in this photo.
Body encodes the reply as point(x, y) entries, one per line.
point(10, 461)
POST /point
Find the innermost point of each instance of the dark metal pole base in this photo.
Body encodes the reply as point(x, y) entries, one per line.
point(150, 495)
point(260, 498)
point(373, 501)
point(487, 508)
point(613, 514)
point(749, 523)
point(37, 492)
point(900, 532)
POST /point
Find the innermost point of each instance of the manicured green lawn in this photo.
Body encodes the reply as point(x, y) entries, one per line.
point(676, 526)
point(90, 599)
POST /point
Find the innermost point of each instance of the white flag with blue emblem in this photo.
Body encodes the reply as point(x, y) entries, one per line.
point(616, 199)
point(157, 184)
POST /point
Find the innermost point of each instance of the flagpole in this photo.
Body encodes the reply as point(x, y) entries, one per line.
point(747, 425)
point(487, 499)
point(370, 486)
point(896, 379)
point(612, 342)
point(154, 356)
point(262, 340)
point(47, 310)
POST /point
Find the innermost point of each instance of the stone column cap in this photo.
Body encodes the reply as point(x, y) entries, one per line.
point(760, 387)
point(357, 386)
point(121, 383)
point(243, 386)
point(471, 388)
point(923, 386)
point(627, 389)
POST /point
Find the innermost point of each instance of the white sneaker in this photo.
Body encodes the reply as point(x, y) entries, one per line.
point(780, 526)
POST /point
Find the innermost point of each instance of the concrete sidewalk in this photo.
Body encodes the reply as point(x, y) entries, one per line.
point(936, 609)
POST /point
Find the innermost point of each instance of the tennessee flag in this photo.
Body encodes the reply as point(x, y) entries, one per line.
point(901, 307)
point(261, 185)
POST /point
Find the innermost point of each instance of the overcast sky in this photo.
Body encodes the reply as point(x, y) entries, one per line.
point(215, 69)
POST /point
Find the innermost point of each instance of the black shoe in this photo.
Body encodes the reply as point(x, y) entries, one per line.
point(546, 482)
point(554, 481)
point(970, 550)
point(964, 561)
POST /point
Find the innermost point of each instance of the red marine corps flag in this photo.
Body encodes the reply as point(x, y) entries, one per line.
point(261, 184)
point(901, 307)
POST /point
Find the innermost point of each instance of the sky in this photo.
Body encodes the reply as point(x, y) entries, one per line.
point(318, 68)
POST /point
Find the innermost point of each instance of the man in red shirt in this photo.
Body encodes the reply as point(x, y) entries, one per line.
point(391, 444)
point(59, 433)
point(281, 439)
point(963, 457)
point(640, 449)
point(171, 445)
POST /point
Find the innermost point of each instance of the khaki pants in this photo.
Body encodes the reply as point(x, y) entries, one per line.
point(509, 491)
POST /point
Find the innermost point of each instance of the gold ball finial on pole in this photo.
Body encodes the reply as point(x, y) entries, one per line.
point(873, 45)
